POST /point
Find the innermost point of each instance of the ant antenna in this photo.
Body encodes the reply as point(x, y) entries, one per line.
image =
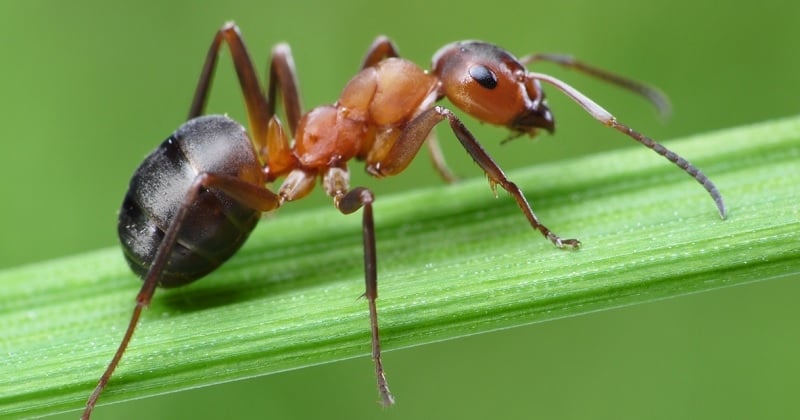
point(600, 114)
point(652, 94)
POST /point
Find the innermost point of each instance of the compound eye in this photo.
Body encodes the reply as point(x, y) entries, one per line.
point(484, 76)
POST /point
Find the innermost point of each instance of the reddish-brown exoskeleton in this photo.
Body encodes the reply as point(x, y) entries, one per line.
point(194, 200)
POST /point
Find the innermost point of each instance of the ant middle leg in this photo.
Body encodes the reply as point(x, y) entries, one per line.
point(257, 107)
point(282, 74)
point(260, 109)
point(336, 181)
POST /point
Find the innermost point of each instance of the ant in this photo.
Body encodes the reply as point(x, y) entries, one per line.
point(195, 199)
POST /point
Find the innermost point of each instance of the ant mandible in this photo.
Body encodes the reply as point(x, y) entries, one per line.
point(195, 199)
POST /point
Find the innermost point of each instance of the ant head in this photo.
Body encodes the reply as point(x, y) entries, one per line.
point(490, 84)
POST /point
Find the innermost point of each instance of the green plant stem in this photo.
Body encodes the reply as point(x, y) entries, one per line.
point(452, 262)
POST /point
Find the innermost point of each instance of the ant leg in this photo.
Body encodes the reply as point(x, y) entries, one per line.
point(652, 94)
point(437, 159)
point(276, 154)
point(282, 73)
point(410, 140)
point(336, 182)
point(254, 196)
point(381, 48)
point(605, 117)
point(258, 110)
point(350, 202)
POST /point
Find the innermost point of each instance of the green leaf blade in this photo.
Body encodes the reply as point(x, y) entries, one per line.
point(452, 262)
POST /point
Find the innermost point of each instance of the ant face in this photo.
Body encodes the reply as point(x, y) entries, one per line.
point(492, 85)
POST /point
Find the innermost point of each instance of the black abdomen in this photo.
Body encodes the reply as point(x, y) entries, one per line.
point(216, 226)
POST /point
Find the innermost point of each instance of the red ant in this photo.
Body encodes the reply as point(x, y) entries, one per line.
point(195, 199)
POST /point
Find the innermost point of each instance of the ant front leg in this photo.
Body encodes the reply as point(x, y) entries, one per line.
point(383, 48)
point(336, 182)
point(410, 140)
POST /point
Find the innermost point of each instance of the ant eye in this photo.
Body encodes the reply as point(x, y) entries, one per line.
point(483, 76)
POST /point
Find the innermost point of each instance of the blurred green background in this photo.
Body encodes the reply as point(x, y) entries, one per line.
point(89, 87)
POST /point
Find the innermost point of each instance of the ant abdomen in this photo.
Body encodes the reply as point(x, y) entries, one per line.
point(216, 225)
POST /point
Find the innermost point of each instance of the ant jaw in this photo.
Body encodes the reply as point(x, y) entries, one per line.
point(534, 118)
